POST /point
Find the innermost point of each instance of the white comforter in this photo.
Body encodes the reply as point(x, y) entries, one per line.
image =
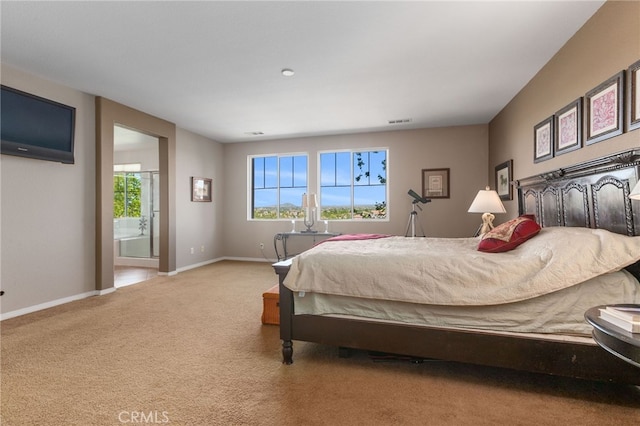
point(450, 271)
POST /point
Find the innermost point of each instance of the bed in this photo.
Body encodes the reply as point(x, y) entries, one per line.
point(539, 328)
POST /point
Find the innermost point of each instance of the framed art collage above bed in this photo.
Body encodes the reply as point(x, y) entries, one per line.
point(605, 111)
point(515, 299)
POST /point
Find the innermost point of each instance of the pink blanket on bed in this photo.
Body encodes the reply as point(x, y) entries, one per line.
point(353, 237)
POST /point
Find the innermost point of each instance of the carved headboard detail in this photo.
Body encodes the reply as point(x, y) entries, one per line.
point(594, 194)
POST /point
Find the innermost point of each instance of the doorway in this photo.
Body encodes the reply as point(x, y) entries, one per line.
point(109, 112)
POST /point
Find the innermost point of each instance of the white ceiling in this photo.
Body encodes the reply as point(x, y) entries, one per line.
point(214, 67)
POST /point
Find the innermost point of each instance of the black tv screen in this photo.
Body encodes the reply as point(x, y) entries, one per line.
point(36, 127)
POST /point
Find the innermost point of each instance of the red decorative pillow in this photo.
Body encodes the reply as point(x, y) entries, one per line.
point(509, 235)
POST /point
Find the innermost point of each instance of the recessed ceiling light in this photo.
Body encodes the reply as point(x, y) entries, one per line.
point(287, 72)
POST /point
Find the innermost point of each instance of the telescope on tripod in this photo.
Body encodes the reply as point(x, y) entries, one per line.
point(411, 225)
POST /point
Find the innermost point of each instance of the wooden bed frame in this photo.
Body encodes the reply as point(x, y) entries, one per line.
point(592, 194)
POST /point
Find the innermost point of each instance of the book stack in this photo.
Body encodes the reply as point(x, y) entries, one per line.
point(625, 317)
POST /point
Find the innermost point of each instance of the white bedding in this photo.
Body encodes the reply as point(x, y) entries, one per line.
point(439, 271)
point(561, 312)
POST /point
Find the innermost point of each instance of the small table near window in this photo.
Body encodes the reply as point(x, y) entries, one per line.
point(621, 343)
point(311, 238)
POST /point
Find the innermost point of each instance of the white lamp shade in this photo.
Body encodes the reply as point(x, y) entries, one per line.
point(635, 192)
point(487, 201)
point(309, 200)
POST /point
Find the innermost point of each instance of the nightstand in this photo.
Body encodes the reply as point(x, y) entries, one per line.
point(619, 342)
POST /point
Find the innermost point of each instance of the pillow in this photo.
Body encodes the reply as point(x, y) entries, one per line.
point(509, 235)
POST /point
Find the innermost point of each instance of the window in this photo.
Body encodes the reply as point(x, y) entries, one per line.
point(126, 190)
point(278, 184)
point(353, 185)
point(126, 194)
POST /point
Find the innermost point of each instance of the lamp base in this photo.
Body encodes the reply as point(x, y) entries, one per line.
point(308, 231)
point(487, 223)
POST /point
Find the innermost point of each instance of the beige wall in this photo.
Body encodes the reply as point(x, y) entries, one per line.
point(48, 220)
point(608, 43)
point(462, 149)
point(198, 224)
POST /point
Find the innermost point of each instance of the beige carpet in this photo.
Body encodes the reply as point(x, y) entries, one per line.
point(190, 350)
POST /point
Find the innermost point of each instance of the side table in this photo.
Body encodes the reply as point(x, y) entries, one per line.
point(619, 342)
point(283, 237)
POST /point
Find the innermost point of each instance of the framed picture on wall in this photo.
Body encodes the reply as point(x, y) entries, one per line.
point(200, 189)
point(543, 140)
point(633, 97)
point(504, 177)
point(435, 183)
point(603, 110)
point(568, 128)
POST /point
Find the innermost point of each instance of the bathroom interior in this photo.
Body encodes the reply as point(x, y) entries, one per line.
point(136, 206)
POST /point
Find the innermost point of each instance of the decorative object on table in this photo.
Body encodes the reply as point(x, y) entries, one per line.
point(142, 224)
point(293, 226)
point(435, 183)
point(309, 205)
point(568, 128)
point(326, 226)
point(504, 177)
point(200, 189)
point(603, 110)
point(633, 97)
point(627, 317)
point(543, 140)
point(486, 202)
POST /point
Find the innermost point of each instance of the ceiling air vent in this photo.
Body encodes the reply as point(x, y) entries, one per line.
point(400, 121)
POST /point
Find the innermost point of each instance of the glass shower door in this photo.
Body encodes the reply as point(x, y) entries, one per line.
point(155, 216)
point(138, 228)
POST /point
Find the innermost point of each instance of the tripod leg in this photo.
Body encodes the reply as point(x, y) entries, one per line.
point(411, 225)
point(422, 229)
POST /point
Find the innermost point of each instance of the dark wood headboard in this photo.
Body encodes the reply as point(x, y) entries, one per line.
point(594, 194)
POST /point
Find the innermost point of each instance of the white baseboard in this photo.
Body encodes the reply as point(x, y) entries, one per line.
point(52, 303)
point(195, 265)
point(64, 300)
point(249, 259)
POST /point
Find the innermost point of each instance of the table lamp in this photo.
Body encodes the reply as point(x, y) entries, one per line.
point(486, 202)
point(309, 204)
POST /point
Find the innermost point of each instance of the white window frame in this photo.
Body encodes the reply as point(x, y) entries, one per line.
point(352, 151)
point(250, 182)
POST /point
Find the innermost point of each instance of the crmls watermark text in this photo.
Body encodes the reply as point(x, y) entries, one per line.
point(137, 417)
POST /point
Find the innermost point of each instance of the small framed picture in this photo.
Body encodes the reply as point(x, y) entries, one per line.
point(200, 189)
point(435, 183)
point(603, 110)
point(633, 97)
point(543, 140)
point(568, 128)
point(504, 177)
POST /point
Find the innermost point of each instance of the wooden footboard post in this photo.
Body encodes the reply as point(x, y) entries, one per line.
point(286, 312)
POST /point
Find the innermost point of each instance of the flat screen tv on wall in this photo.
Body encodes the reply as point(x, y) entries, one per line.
point(36, 127)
